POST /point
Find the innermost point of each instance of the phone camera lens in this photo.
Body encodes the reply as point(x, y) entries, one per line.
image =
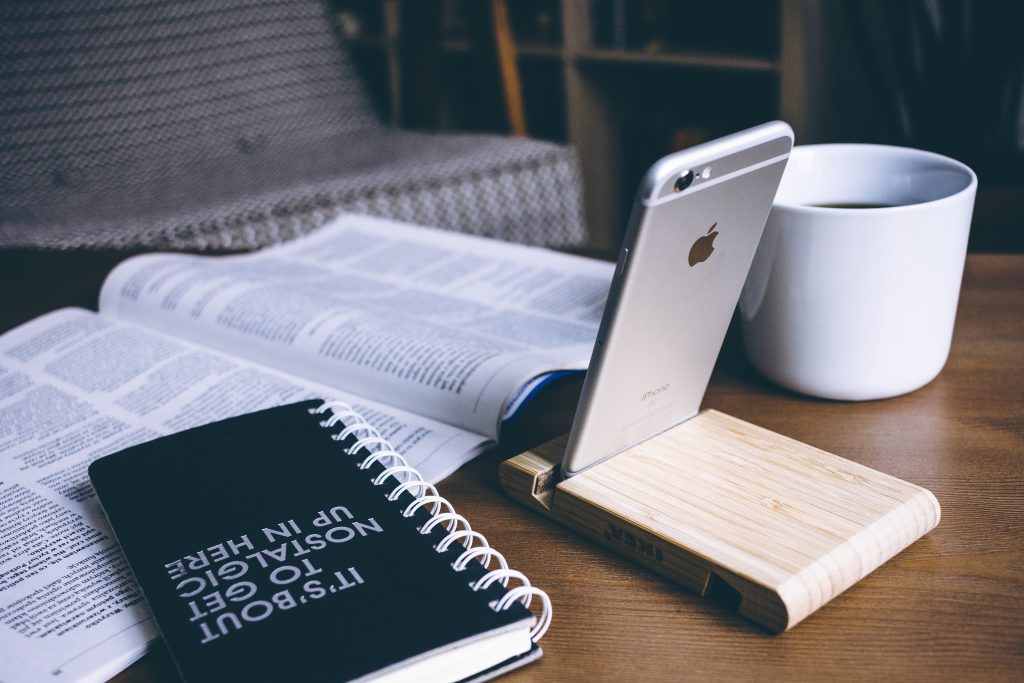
point(684, 180)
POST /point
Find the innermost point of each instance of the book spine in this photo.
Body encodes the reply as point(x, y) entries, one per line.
point(362, 438)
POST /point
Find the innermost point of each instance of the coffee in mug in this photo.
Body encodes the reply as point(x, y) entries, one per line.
point(853, 291)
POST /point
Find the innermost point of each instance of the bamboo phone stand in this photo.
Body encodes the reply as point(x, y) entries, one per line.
point(770, 526)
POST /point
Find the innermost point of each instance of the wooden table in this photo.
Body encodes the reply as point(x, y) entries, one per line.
point(951, 607)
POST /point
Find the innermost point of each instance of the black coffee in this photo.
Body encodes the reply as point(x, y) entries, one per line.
point(855, 205)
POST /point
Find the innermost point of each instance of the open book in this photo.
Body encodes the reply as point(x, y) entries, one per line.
point(435, 337)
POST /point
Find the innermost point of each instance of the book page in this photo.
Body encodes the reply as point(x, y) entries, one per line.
point(444, 325)
point(75, 386)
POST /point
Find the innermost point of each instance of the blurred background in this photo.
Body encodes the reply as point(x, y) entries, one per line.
point(627, 81)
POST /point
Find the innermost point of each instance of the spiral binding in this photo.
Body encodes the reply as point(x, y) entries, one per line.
point(442, 512)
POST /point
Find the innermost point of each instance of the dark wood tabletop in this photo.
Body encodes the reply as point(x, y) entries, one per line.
point(951, 607)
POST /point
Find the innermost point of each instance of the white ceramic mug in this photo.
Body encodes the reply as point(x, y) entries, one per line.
point(859, 303)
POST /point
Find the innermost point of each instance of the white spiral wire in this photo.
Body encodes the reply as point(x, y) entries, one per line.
point(331, 406)
point(523, 594)
point(361, 431)
point(421, 488)
point(467, 537)
point(486, 552)
point(374, 439)
point(396, 458)
point(355, 428)
point(503, 575)
point(443, 517)
point(435, 500)
point(441, 512)
point(339, 411)
point(394, 471)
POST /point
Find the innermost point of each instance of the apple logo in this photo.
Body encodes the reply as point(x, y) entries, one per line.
point(702, 248)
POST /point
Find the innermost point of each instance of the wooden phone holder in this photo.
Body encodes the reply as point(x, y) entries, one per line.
point(766, 524)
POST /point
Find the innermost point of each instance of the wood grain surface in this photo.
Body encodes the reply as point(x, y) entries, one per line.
point(768, 526)
point(950, 607)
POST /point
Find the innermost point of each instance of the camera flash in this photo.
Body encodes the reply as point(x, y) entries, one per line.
point(706, 173)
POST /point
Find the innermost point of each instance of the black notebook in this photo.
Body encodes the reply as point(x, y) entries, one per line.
point(294, 544)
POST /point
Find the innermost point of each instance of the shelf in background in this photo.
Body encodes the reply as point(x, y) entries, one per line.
point(705, 60)
point(458, 47)
point(539, 51)
point(584, 79)
point(701, 60)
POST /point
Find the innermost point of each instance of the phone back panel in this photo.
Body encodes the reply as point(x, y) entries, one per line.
point(683, 263)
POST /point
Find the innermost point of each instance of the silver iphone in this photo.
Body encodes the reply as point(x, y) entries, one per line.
point(695, 225)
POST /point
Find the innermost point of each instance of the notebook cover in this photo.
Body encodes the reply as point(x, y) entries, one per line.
point(265, 553)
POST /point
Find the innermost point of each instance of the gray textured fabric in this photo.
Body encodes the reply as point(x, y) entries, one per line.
point(225, 124)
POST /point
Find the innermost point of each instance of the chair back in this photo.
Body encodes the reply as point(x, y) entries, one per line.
point(104, 94)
